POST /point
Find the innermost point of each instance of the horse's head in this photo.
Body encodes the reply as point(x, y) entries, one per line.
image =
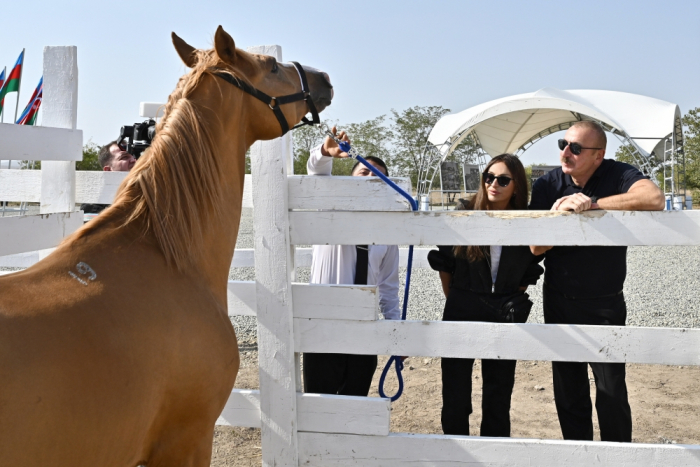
point(253, 73)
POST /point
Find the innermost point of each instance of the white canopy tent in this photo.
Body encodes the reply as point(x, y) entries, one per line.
point(512, 124)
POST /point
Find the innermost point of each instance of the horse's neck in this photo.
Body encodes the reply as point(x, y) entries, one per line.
point(221, 231)
point(220, 219)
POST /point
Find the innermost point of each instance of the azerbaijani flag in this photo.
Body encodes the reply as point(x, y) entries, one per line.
point(30, 112)
point(12, 82)
point(2, 81)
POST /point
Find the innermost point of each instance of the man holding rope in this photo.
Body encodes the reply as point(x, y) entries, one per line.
point(346, 374)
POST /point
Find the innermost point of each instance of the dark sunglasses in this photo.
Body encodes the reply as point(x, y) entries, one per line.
point(503, 181)
point(574, 147)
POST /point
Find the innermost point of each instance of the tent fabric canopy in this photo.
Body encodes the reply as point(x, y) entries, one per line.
point(506, 124)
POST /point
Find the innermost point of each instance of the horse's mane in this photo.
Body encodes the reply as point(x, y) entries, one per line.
point(177, 182)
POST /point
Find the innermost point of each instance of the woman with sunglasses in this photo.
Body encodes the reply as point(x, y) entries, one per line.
point(486, 283)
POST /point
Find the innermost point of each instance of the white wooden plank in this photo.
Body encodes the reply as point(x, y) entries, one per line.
point(23, 260)
point(400, 450)
point(60, 110)
point(241, 409)
point(244, 258)
point(346, 193)
point(343, 414)
point(325, 301)
point(20, 185)
point(241, 298)
point(273, 274)
point(496, 228)
point(29, 233)
point(317, 413)
point(312, 301)
point(97, 187)
point(665, 346)
point(91, 186)
point(303, 257)
point(40, 143)
point(248, 192)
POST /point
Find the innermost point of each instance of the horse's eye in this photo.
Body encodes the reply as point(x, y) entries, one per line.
point(274, 68)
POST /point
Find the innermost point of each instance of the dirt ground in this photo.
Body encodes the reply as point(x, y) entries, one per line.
point(665, 405)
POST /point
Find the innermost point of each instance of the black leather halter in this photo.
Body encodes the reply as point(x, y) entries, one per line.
point(275, 102)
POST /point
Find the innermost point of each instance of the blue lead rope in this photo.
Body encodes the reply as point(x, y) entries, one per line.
point(396, 360)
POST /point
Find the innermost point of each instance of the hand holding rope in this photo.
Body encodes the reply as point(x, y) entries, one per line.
point(396, 360)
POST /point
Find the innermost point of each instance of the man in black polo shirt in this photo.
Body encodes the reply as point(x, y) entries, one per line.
point(583, 285)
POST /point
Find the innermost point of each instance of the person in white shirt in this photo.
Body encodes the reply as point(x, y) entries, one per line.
point(344, 374)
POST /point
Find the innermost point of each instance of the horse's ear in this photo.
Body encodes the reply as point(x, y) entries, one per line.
point(185, 51)
point(224, 46)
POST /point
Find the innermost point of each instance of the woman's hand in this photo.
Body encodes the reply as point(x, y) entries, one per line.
point(539, 250)
point(330, 147)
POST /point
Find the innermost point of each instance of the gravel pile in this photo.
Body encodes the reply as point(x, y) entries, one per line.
point(661, 287)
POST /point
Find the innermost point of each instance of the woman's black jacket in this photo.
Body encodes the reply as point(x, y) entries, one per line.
point(518, 267)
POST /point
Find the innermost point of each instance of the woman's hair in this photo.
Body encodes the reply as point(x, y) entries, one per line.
point(480, 201)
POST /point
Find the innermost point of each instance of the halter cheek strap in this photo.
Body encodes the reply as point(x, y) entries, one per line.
point(275, 102)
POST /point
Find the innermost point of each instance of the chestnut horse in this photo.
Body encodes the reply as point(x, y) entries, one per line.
point(117, 349)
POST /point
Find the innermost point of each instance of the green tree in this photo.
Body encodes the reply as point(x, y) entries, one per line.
point(410, 129)
point(90, 160)
point(369, 138)
point(305, 139)
point(691, 147)
point(624, 154)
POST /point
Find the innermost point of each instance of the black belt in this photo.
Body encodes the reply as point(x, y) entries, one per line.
point(569, 297)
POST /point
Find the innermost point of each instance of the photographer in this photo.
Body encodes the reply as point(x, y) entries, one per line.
point(113, 158)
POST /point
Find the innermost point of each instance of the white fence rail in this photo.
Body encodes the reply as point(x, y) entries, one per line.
point(40, 143)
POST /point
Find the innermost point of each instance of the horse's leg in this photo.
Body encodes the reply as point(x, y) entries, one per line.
point(183, 448)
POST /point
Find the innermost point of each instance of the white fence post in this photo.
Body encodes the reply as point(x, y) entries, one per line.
point(274, 267)
point(60, 110)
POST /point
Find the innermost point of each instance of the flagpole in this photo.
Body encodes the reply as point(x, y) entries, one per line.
point(2, 111)
point(19, 87)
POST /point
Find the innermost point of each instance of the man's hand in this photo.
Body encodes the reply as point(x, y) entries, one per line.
point(330, 148)
point(577, 202)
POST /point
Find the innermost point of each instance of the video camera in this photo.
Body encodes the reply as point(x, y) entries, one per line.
point(139, 136)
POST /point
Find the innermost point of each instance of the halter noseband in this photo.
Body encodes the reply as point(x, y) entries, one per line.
point(275, 102)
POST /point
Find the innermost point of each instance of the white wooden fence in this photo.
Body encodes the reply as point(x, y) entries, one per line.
point(323, 430)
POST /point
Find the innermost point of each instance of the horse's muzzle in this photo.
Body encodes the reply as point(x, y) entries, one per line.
point(321, 88)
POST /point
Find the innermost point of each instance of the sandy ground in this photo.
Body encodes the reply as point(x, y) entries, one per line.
point(665, 405)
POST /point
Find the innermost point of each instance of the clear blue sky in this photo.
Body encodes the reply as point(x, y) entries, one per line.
point(380, 55)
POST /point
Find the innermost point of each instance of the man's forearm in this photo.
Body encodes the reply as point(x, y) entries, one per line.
point(646, 200)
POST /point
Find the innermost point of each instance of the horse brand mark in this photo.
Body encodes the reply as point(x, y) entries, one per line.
point(84, 270)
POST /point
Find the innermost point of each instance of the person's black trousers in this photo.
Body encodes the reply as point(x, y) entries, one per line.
point(335, 373)
point(571, 386)
point(498, 377)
